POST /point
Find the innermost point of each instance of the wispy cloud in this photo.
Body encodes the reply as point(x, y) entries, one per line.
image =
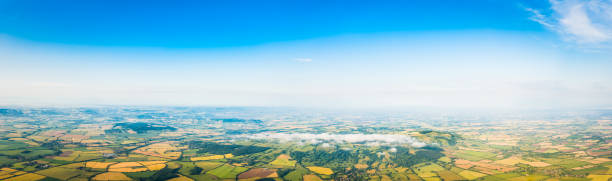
point(303, 60)
point(367, 139)
point(586, 22)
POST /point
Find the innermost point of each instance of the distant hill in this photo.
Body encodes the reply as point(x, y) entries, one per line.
point(237, 120)
point(139, 127)
point(11, 112)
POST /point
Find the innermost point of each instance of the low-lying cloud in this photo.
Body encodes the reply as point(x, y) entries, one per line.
point(367, 139)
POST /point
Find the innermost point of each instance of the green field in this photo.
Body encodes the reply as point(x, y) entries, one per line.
point(28, 153)
point(140, 175)
point(61, 173)
point(427, 170)
point(207, 166)
point(296, 175)
point(474, 155)
point(503, 176)
point(227, 171)
point(449, 176)
point(528, 178)
point(11, 145)
point(471, 175)
point(186, 168)
point(567, 163)
point(4, 160)
point(283, 162)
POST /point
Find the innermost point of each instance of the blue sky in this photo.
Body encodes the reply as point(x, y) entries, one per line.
point(341, 54)
point(205, 24)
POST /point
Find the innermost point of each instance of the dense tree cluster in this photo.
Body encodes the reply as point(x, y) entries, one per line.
point(402, 156)
point(216, 148)
point(139, 127)
point(334, 159)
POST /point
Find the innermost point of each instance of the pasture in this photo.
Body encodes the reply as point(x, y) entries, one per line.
point(227, 171)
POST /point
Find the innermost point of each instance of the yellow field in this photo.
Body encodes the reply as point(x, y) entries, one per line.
point(445, 159)
point(273, 175)
point(311, 178)
point(510, 161)
point(180, 178)
point(283, 160)
point(163, 150)
point(528, 178)
point(202, 158)
point(537, 164)
point(3, 176)
point(597, 160)
point(74, 165)
point(283, 156)
point(471, 175)
point(111, 176)
point(229, 155)
point(432, 179)
point(156, 167)
point(126, 164)
point(401, 169)
point(128, 169)
point(599, 177)
point(361, 166)
point(321, 170)
point(9, 172)
point(99, 165)
point(516, 160)
point(27, 177)
point(145, 163)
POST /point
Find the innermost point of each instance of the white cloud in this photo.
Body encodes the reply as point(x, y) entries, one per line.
point(579, 21)
point(303, 60)
point(368, 139)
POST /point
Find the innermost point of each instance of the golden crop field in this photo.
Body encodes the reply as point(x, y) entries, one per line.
point(510, 161)
point(156, 167)
point(321, 170)
point(127, 167)
point(163, 150)
point(99, 165)
point(9, 172)
point(26, 177)
point(180, 178)
point(471, 175)
point(600, 177)
point(311, 178)
point(114, 176)
point(126, 164)
point(283, 160)
point(203, 158)
point(361, 166)
point(145, 163)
